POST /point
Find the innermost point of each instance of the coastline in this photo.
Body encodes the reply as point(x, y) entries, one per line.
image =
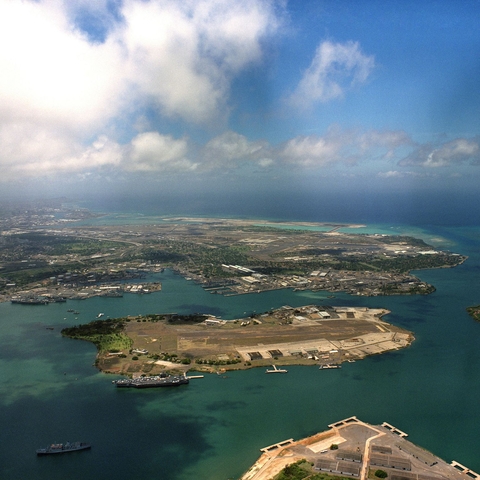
point(309, 335)
point(360, 450)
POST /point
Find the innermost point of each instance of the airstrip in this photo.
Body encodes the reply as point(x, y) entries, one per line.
point(312, 334)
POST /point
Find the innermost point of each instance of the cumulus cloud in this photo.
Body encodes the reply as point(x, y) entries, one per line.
point(455, 152)
point(231, 149)
point(150, 151)
point(311, 151)
point(62, 85)
point(335, 68)
point(338, 146)
point(50, 74)
point(147, 152)
point(183, 55)
point(389, 140)
point(43, 153)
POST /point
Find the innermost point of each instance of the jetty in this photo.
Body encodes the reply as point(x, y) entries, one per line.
point(356, 449)
point(275, 370)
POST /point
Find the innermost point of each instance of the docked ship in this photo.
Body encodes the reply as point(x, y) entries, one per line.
point(329, 366)
point(162, 380)
point(55, 448)
point(275, 370)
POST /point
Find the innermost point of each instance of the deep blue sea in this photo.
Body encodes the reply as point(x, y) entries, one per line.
point(213, 428)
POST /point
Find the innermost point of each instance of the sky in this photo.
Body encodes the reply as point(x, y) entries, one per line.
point(207, 97)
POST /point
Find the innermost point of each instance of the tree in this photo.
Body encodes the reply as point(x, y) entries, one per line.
point(381, 474)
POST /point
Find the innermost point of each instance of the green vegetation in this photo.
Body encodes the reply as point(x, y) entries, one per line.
point(295, 471)
point(40, 243)
point(35, 274)
point(186, 319)
point(397, 264)
point(95, 255)
point(303, 470)
point(474, 312)
point(381, 474)
point(333, 446)
point(107, 335)
point(207, 259)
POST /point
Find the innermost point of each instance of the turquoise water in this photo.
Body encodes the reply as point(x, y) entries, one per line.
point(213, 428)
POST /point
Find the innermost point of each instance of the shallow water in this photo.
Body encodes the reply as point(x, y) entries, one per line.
point(213, 428)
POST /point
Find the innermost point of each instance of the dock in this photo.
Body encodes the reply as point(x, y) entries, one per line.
point(277, 445)
point(394, 430)
point(354, 448)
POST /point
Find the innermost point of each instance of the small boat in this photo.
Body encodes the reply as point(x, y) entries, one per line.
point(55, 448)
point(275, 370)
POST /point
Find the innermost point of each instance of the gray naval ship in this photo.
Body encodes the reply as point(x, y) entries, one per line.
point(162, 380)
point(56, 448)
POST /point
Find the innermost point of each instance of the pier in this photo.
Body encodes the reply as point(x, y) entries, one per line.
point(465, 470)
point(355, 448)
point(394, 430)
point(277, 445)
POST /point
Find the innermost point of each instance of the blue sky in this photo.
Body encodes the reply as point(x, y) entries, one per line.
point(242, 96)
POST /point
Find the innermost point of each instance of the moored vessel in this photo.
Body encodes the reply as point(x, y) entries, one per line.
point(162, 380)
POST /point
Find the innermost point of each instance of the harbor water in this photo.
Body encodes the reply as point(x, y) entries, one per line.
point(213, 428)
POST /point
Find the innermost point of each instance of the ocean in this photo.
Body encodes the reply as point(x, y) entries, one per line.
point(213, 428)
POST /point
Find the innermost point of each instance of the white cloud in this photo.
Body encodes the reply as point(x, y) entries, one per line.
point(50, 74)
point(150, 152)
point(43, 153)
point(183, 55)
point(311, 151)
point(398, 174)
point(391, 174)
point(231, 149)
point(59, 88)
point(455, 152)
point(389, 140)
point(335, 68)
point(339, 146)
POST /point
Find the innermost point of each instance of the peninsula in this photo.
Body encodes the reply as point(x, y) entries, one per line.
point(319, 335)
point(46, 254)
point(354, 449)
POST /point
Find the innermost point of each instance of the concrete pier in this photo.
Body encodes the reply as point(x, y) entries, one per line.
point(355, 448)
point(394, 430)
point(277, 445)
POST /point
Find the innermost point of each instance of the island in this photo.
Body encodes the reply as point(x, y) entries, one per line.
point(474, 312)
point(45, 253)
point(351, 448)
point(320, 335)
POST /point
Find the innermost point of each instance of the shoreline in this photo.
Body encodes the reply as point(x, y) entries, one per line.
point(358, 449)
point(323, 336)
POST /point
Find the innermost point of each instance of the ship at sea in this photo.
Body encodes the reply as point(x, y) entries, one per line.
point(55, 448)
point(162, 380)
